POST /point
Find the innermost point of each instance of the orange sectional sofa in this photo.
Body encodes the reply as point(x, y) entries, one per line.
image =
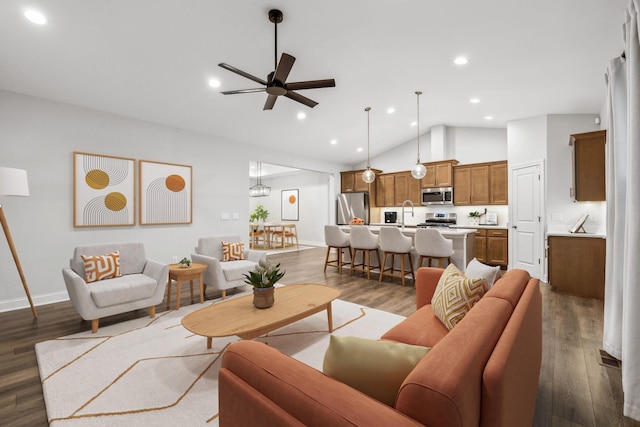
point(484, 372)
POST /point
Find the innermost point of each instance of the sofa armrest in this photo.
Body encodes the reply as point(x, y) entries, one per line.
point(213, 275)
point(79, 294)
point(426, 281)
point(258, 385)
point(157, 271)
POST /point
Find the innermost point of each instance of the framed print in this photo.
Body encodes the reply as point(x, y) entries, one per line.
point(165, 193)
point(578, 227)
point(290, 205)
point(103, 190)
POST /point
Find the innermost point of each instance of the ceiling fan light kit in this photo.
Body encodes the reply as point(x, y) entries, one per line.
point(276, 84)
point(418, 171)
point(368, 176)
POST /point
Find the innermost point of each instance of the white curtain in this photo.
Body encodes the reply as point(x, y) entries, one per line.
point(621, 337)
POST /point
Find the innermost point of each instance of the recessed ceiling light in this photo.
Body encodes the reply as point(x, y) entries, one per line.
point(35, 16)
point(460, 60)
point(488, 117)
point(214, 83)
point(391, 110)
point(474, 100)
point(334, 141)
point(301, 115)
point(359, 149)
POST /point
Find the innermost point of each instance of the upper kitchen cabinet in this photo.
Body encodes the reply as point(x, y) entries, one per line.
point(588, 166)
point(480, 184)
point(351, 181)
point(406, 187)
point(439, 174)
point(385, 191)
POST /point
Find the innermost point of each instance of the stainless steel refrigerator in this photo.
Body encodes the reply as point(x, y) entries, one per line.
point(351, 205)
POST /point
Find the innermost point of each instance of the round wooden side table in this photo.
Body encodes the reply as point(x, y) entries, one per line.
point(182, 274)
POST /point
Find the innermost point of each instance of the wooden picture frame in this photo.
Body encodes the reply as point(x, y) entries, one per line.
point(165, 193)
point(103, 190)
point(290, 205)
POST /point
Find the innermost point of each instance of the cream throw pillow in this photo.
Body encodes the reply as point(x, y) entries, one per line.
point(455, 294)
point(100, 267)
point(232, 251)
point(376, 368)
point(487, 272)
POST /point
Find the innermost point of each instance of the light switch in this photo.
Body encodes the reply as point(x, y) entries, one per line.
point(224, 216)
point(235, 216)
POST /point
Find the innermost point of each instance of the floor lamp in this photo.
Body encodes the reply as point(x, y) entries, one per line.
point(13, 182)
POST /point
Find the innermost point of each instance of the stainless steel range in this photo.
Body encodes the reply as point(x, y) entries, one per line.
point(433, 219)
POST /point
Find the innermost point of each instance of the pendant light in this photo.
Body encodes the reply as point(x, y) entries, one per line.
point(259, 190)
point(418, 171)
point(368, 176)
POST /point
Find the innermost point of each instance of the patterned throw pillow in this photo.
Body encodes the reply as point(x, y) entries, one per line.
point(100, 267)
point(232, 251)
point(455, 294)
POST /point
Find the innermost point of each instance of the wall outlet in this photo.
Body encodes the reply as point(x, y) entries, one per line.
point(224, 216)
point(556, 216)
point(174, 259)
point(235, 216)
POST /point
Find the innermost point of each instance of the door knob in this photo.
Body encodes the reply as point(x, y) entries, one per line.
point(514, 226)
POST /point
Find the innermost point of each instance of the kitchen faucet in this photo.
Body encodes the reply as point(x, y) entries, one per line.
point(403, 206)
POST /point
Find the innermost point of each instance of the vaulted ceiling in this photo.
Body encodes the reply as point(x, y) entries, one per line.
point(152, 60)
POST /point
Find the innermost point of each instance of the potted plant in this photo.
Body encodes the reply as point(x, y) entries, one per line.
point(474, 217)
point(259, 213)
point(185, 262)
point(262, 278)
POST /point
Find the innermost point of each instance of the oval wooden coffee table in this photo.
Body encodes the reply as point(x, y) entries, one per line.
point(239, 316)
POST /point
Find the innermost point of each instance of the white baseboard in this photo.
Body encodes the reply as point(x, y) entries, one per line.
point(20, 303)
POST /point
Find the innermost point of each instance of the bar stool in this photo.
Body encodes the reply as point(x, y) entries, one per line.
point(393, 242)
point(363, 240)
point(430, 244)
point(336, 239)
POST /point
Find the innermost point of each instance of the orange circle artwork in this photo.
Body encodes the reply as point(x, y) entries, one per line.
point(115, 201)
point(175, 183)
point(292, 199)
point(97, 179)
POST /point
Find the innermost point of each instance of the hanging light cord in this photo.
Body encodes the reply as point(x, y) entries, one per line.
point(368, 109)
point(418, 93)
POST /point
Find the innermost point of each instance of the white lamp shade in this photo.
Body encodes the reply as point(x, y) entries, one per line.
point(13, 182)
point(418, 171)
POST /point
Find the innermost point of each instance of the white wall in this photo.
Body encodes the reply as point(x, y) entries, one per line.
point(316, 204)
point(527, 140)
point(40, 136)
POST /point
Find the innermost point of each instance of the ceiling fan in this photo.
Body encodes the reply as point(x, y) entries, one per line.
point(276, 84)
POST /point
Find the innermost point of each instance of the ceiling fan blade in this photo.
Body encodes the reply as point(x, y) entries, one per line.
point(233, 92)
point(284, 67)
point(271, 100)
point(242, 73)
point(311, 84)
point(301, 99)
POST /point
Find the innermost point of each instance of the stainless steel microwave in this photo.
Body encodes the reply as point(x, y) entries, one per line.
point(437, 196)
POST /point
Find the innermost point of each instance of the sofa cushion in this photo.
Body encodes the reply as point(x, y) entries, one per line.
point(232, 251)
point(477, 269)
point(235, 270)
point(101, 267)
point(421, 328)
point(376, 368)
point(455, 294)
point(123, 289)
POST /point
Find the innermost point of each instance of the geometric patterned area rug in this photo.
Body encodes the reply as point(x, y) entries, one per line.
point(153, 372)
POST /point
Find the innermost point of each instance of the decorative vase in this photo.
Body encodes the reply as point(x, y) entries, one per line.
point(263, 297)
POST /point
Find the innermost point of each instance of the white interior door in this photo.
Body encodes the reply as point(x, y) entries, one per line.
point(525, 237)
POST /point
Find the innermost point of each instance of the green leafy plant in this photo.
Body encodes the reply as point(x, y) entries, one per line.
point(264, 275)
point(185, 262)
point(474, 214)
point(259, 213)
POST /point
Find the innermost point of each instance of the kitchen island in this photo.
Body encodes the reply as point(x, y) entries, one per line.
point(463, 241)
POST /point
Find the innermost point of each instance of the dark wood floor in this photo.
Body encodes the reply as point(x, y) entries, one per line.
point(574, 390)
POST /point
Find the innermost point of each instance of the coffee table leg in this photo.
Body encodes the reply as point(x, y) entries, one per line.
point(178, 286)
point(168, 293)
point(209, 341)
point(191, 288)
point(201, 290)
point(330, 317)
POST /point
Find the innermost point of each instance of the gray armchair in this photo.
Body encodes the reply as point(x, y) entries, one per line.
point(224, 275)
point(141, 285)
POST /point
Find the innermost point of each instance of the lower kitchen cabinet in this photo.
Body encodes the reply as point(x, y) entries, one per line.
point(576, 265)
point(492, 246)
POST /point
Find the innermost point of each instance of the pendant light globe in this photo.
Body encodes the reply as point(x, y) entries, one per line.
point(418, 171)
point(368, 176)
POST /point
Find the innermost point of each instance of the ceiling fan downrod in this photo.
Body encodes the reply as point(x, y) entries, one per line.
point(276, 17)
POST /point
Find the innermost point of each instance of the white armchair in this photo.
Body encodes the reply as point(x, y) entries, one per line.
point(141, 285)
point(223, 275)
